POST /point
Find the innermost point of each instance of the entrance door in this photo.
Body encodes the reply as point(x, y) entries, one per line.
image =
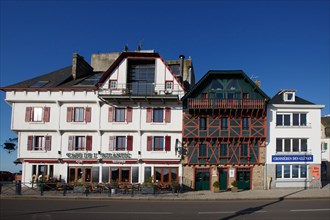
point(202, 179)
point(223, 175)
point(243, 181)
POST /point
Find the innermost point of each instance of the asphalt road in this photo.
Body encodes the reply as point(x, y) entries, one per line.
point(22, 209)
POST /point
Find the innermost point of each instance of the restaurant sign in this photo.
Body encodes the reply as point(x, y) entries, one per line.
point(292, 158)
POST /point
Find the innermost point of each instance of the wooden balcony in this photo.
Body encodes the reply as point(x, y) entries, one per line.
point(226, 104)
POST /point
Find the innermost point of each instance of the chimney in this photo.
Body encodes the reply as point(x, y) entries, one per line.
point(258, 83)
point(80, 67)
point(181, 65)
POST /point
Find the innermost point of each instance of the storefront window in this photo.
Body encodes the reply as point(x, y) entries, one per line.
point(105, 174)
point(147, 173)
point(278, 171)
point(295, 171)
point(135, 174)
point(286, 171)
point(303, 171)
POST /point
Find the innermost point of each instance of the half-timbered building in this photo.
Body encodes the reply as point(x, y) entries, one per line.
point(224, 132)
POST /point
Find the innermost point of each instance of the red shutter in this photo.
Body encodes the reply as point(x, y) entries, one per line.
point(149, 143)
point(149, 115)
point(167, 143)
point(112, 143)
point(30, 143)
point(129, 114)
point(28, 114)
point(130, 143)
point(46, 114)
point(88, 114)
point(69, 114)
point(110, 114)
point(89, 143)
point(70, 144)
point(167, 115)
point(48, 143)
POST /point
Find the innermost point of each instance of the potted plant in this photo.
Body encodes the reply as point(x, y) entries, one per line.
point(234, 186)
point(175, 186)
point(216, 186)
point(148, 186)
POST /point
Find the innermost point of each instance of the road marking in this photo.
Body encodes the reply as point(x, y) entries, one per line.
point(127, 213)
point(309, 210)
point(232, 212)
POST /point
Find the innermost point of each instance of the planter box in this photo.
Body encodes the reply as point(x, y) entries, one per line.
point(234, 189)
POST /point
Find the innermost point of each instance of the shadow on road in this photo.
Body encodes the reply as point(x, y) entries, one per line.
point(249, 211)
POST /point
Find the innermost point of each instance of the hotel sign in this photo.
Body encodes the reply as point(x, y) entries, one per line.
point(292, 158)
point(111, 156)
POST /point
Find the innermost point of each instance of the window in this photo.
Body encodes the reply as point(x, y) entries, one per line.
point(202, 152)
point(158, 143)
point(168, 85)
point(113, 84)
point(80, 143)
point(120, 115)
point(120, 174)
point(291, 119)
point(39, 143)
point(296, 171)
point(244, 150)
point(245, 123)
point(79, 114)
point(289, 96)
point(39, 84)
point(245, 95)
point(203, 123)
point(224, 123)
point(158, 114)
point(291, 145)
point(45, 170)
point(37, 114)
point(120, 143)
point(166, 175)
point(324, 146)
point(223, 150)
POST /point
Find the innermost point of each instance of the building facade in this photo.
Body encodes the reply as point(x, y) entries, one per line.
point(325, 151)
point(116, 123)
point(224, 132)
point(293, 141)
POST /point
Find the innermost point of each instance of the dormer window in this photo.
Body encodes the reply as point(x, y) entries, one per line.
point(289, 96)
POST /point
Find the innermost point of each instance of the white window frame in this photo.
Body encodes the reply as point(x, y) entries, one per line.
point(40, 141)
point(291, 171)
point(291, 119)
point(79, 143)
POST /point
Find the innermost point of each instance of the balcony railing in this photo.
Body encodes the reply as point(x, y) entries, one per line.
point(141, 89)
point(226, 103)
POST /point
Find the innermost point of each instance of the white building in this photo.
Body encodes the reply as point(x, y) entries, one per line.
point(325, 144)
point(293, 146)
point(120, 123)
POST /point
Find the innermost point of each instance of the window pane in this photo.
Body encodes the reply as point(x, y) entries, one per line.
point(286, 171)
point(135, 174)
point(278, 171)
point(303, 145)
point(166, 175)
point(157, 115)
point(78, 114)
point(72, 175)
point(158, 174)
point(79, 143)
point(279, 145)
point(245, 123)
point(37, 114)
point(95, 174)
point(88, 174)
point(202, 150)
point(244, 150)
point(120, 115)
point(303, 120)
point(295, 145)
point(125, 175)
point(147, 173)
point(114, 175)
point(158, 143)
point(286, 120)
point(224, 123)
point(202, 123)
point(295, 171)
point(303, 171)
point(120, 143)
point(279, 120)
point(287, 145)
point(223, 150)
point(174, 174)
point(105, 174)
point(296, 119)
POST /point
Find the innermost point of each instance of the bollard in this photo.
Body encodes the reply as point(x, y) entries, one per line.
point(18, 187)
point(86, 190)
point(109, 191)
point(132, 193)
point(64, 189)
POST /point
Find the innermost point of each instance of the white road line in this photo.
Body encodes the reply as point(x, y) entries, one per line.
point(232, 212)
point(309, 210)
point(127, 213)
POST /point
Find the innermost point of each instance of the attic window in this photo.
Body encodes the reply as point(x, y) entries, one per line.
point(39, 84)
point(289, 96)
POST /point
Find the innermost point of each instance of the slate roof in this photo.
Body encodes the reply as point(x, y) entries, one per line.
point(278, 99)
point(231, 73)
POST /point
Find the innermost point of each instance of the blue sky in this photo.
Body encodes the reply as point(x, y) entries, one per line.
point(282, 43)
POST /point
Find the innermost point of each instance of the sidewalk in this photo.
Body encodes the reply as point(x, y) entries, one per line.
point(294, 193)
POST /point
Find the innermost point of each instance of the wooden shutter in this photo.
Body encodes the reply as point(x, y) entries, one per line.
point(167, 115)
point(149, 143)
point(110, 114)
point(149, 115)
point(69, 114)
point(167, 143)
point(129, 114)
point(89, 143)
point(112, 143)
point(88, 114)
point(28, 114)
point(46, 114)
point(70, 144)
point(30, 143)
point(48, 143)
point(130, 143)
